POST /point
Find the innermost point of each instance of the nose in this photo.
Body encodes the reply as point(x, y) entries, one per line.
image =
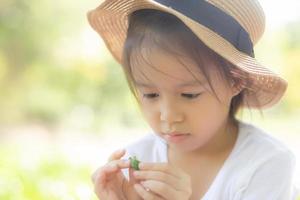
point(170, 112)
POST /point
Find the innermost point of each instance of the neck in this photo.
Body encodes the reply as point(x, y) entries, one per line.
point(221, 143)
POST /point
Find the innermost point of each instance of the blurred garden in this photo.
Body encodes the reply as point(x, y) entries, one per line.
point(65, 105)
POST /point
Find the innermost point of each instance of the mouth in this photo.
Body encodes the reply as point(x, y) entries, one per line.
point(176, 134)
point(176, 137)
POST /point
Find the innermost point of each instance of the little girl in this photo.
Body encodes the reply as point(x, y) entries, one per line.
point(191, 67)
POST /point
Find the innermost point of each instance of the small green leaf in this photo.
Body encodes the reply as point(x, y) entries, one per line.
point(134, 163)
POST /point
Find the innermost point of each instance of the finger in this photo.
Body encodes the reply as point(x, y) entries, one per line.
point(162, 177)
point(94, 175)
point(160, 188)
point(146, 194)
point(121, 164)
point(117, 155)
point(132, 178)
point(103, 173)
point(110, 168)
point(164, 167)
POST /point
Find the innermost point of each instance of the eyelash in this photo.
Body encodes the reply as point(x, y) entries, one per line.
point(189, 96)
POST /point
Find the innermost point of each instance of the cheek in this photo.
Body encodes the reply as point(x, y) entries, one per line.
point(225, 95)
point(150, 115)
point(208, 115)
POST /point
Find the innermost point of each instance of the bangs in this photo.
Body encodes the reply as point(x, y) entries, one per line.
point(183, 44)
point(149, 29)
point(143, 49)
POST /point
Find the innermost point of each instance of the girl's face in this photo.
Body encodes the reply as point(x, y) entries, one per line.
point(172, 100)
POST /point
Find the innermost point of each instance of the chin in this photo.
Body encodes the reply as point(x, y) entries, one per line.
point(187, 147)
point(184, 148)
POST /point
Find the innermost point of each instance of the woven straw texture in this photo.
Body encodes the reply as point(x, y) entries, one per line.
point(110, 21)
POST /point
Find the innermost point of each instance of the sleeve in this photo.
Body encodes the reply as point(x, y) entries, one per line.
point(272, 180)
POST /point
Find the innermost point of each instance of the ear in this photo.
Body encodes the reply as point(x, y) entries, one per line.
point(239, 81)
point(237, 86)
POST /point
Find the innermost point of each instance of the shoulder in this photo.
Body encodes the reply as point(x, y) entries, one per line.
point(264, 165)
point(258, 144)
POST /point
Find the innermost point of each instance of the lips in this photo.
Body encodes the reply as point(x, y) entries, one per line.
point(176, 137)
point(176, 134)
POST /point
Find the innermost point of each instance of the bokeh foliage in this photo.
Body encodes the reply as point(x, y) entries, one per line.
point(43, 77)
point(46, 78)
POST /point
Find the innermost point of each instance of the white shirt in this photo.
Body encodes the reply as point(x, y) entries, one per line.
point(259, 167)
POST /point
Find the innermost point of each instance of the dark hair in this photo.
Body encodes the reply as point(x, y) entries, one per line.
point(165, 31)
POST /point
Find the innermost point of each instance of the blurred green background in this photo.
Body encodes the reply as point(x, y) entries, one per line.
point(65, 105)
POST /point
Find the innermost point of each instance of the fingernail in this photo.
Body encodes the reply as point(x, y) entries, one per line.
point(135, 173)
point(143, 183)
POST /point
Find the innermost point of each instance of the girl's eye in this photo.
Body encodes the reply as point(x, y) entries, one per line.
point(153, 95)
point(150, 96)
point(191, 96)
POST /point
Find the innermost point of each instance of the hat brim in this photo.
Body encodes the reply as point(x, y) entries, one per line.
point(110, 21)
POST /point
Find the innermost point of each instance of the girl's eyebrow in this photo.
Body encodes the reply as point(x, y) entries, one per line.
point(181, 85)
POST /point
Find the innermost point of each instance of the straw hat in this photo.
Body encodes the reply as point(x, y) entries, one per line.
point(230, 28)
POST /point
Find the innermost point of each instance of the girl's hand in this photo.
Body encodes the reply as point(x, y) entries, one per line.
point(162, 181)
point(109, 181)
